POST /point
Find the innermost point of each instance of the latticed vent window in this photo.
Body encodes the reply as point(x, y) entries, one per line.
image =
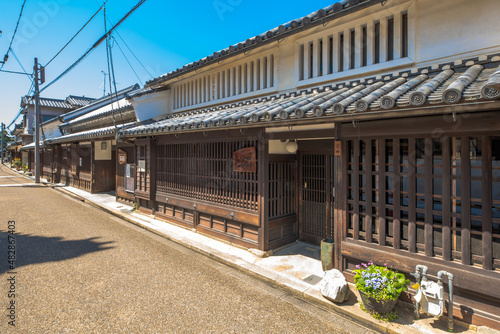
point(248, 77)
point(205, 171)
point(438, 197)
point(380, 40)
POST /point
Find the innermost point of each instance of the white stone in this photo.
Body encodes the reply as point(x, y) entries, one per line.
point(334, 286)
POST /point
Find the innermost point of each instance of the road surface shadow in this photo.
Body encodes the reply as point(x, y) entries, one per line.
point(32, 249)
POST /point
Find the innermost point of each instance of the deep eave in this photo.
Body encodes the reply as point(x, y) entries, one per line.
point(389, 96)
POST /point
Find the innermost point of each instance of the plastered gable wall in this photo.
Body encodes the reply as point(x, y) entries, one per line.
point(456, 27)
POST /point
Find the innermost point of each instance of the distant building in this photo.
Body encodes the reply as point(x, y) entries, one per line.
point(49, 109)
point(79, 147)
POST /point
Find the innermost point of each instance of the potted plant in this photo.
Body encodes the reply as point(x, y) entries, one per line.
point(379, 288)
point(17, 164)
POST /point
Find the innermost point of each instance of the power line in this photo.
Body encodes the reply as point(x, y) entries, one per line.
point(21, 109)
point(131, 67)
point(132, 52)
point(57, 54)
point(96, 44)
point(17, 59)
point(13, 35)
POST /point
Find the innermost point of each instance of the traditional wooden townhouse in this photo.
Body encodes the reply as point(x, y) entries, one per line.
point(370, 123)
point(50, 108)
point(79, 147)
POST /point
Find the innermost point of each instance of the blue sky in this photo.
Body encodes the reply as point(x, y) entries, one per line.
point(164, 35)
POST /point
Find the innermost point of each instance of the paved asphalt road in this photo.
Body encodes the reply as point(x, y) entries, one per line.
point(80, 270)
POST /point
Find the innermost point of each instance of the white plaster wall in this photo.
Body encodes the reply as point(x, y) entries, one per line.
point(278, 147)
point(444, 30)
point(51, 130)
point(102, 154)
point(151, 105)
point(456, 27)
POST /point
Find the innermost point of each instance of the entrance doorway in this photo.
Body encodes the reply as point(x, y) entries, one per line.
point(316, 197)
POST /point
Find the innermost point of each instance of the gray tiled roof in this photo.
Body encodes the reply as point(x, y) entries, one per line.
point(79, 101)
point(450, 83)
point(338, 9)
point(47, 102)
point(118, 109)
point(109, 131)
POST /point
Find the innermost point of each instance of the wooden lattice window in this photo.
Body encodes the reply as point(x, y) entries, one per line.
point(75, 159)
point(205, 171)
point(85, 154)
point(282, 193)
point(439, 197)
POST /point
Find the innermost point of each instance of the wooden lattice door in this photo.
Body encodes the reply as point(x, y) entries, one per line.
point(316, 197)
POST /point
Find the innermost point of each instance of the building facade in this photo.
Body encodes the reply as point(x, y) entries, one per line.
point(371, 123)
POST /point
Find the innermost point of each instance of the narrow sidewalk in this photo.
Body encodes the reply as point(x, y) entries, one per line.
point(295, 268)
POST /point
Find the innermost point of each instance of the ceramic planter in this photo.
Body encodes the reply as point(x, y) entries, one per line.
point(373, 305)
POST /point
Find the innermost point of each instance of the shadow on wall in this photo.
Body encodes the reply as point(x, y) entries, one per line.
point(32, 249)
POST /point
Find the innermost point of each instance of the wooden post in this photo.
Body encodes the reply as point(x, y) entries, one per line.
point(446, 203)
point(368, 193)
point(429, 220)
point(92, 168)
point(152, 178)
point(486, 175)
point(396, 195)
point(412, 200)
point(355, 189)
point(340, 197)
point(466, 192)
point(382, 233)
point(263, 168)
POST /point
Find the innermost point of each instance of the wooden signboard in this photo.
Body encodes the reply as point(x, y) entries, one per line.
point(122, 157)
point(338, 148)
point(245, 160)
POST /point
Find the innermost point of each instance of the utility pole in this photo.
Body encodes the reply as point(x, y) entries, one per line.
point(2, 138)
point(37, 124)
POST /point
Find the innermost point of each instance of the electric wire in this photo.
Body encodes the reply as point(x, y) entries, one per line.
point(109, 71)
point(128, 62)
point(21, 109)
point(114, 81)
point(72, 38)
point(93, 47)
point(17, 59)
point(13, 35)
point(132, 52)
